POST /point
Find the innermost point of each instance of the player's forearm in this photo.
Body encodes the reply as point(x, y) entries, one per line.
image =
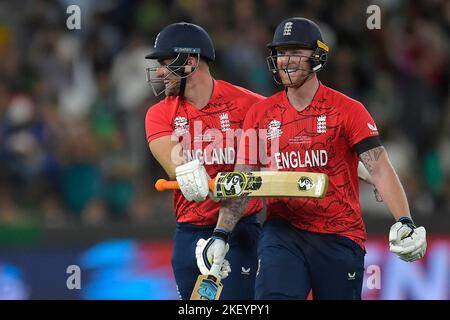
point(386, 181)
point(391, 191)
point(169, 168)
point(167, 153)
point(232, 210)
point(364, 174)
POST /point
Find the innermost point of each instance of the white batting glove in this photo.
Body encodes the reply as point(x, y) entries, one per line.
point(407, 241)
point(193, 180)
point(210, 254)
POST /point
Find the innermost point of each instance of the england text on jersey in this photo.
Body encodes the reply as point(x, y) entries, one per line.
point(210, 156)
point(301, 159)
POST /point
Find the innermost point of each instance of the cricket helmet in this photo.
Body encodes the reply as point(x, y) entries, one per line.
point(182, 37)
point(299, 33)
point(179, 41)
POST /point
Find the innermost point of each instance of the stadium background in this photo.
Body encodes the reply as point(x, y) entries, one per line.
point(76, 175)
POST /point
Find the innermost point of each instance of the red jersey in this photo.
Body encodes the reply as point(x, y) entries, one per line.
point(210, 135)
point(320, 138)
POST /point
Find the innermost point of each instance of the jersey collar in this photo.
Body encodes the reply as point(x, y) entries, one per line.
point(317, 100)
point(215, 94)
point(216, 91)
point(320, 94)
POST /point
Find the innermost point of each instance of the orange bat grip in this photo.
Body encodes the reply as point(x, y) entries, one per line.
point(212, 184)
point(163, 184)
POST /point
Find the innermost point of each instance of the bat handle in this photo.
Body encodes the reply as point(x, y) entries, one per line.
point(163, 185)
point(215, 271)
point(211, 184)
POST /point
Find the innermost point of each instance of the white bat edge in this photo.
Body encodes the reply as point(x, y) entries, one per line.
point(319, 186)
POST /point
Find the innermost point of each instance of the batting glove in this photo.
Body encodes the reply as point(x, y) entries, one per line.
point(210, 254)
point(193, 180)
point(407, 241)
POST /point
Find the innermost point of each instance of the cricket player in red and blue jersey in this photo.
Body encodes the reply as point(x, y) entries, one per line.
point(318, 244)
point(193, 134)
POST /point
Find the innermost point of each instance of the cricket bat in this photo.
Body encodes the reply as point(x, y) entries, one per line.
point(207, 287)
point(262, 184)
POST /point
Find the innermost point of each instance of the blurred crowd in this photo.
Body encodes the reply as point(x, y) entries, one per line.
point(73, 102)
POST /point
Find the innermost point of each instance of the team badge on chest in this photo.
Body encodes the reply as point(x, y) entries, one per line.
point(274, 130)
point(181, 126)
point(321, 124)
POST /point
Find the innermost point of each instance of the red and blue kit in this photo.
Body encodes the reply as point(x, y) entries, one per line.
point(209, 134)
point(327, 137)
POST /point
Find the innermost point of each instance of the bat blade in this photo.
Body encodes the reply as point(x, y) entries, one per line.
point(270, 184)
point(207, 287)
point(262, 184)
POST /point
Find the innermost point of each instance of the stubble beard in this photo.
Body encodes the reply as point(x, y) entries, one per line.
point(172, 89)
point(300, 80)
